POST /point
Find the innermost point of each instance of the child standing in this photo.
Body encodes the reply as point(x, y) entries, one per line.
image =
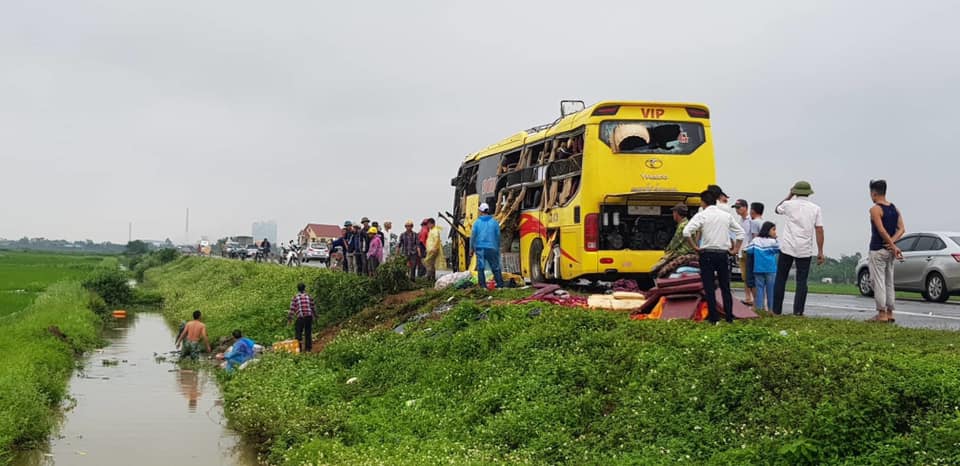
point(765, 248)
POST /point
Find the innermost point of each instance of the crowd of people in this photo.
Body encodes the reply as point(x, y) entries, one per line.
point(708, 239)
point(363, 246)
point(766, 255)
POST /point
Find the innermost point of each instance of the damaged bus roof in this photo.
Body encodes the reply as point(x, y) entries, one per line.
point(571, 122)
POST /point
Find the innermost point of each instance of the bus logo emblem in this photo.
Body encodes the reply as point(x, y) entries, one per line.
point(654, 163)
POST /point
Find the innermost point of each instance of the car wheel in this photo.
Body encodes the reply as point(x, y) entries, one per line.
point(936, 288)
point(863, 283)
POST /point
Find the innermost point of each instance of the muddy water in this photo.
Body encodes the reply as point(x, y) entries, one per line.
point(134, 407)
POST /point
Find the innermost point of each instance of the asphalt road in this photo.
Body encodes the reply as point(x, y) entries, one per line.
point(909, 313)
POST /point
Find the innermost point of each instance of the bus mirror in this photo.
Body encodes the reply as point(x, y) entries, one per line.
point(569, 107)
point(663, 134)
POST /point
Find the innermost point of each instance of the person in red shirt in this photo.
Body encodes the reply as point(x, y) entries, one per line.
point(302, 309)
point(422, 245)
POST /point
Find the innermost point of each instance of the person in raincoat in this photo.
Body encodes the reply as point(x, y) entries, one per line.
point(485, 241)
point(375, 253)
point(239, 353)
point(435, 259)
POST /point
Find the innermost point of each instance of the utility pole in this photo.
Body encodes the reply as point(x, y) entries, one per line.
point(186, 234)
point(130, 232)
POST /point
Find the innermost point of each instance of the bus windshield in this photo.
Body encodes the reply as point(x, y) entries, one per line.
point(652, 137)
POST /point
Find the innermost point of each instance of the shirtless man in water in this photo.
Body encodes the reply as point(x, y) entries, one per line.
point(192, 333)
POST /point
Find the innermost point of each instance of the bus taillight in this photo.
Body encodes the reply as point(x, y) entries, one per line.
point(591, 232)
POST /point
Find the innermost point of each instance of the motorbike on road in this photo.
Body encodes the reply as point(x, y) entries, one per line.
point(291, 256)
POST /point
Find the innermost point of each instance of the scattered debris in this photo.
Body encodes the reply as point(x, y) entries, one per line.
point(410, 403)
point(549, 294)
point(352, 380)
point(684, 298)
point(625, 285)
point(534, 313)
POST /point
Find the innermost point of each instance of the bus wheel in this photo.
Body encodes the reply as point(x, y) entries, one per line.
point(536, 271)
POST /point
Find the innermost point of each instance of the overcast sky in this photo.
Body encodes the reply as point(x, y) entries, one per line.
point(119, 111)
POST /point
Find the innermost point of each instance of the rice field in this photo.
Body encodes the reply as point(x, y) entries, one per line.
point(24, 275)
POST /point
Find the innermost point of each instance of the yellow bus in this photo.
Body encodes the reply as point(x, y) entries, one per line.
point(588, 196)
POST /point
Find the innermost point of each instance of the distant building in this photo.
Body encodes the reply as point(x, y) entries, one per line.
point(318, 233)
point(266, 229)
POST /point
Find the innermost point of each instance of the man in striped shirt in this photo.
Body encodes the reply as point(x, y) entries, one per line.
point(302, 309)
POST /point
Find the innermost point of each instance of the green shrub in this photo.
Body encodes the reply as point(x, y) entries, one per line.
point(340, 295)
point(392, 277)
point(140, 264)
point(111, 284)
point(96, 303)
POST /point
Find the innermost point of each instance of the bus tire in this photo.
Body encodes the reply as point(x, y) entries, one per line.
point(536, 270)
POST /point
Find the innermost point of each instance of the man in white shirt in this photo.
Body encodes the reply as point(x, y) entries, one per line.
point(715, 227)
point(802, 225)
point(723, 201)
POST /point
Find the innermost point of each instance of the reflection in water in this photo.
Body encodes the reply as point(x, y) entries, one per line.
point(133, 412)
point(190, 387)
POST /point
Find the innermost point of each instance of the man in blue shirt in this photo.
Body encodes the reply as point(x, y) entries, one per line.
point(240, 352)
point(485, 242)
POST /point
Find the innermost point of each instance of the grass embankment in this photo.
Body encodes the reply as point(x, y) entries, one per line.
point(540, 384)
point(45, 322)
point(252, 297)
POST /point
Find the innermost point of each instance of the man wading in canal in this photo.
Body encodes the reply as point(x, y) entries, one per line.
point(190, 337)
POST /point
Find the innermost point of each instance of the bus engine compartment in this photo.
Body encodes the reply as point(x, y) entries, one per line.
point(635, 227)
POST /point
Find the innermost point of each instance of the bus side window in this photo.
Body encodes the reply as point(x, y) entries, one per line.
point(510, 162)
point(470, 180)
point(532, 199)
point(536, 155)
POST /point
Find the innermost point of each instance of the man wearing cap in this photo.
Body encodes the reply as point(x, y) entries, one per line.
point(715, 228)
point(723, 201)
point(409, 247)
point(363, 246)
point(750, 229)
point(341, 246)
point(803, 224)
point(485, 242)
point(678, 252)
